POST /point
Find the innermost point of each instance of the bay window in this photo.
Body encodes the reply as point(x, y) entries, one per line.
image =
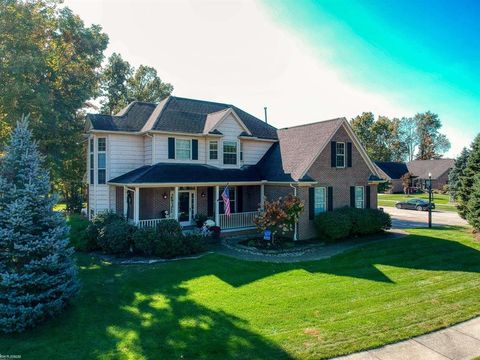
point(230, 152)
point(213, 150)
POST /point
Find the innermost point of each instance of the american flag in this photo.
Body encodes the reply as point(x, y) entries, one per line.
point(226, 200)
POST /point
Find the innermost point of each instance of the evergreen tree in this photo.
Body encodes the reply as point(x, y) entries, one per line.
point(457, 172)
point(466, 180)
point(37, 273)
point(473, 205)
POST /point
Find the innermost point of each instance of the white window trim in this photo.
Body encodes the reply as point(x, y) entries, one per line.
point(98, 153)
point(176, 148)
point(237, 164)
point(363, 197)
point(91, 165)
point(325, 194)
point(210, 149)
point(341, 155)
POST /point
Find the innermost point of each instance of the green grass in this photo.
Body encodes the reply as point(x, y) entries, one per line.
point(442, 202)
point(77, 224)
point(220, 308)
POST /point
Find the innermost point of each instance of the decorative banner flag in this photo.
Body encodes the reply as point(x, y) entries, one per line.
point(226, 200)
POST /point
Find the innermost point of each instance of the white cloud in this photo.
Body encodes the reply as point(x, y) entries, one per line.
point(231, 51)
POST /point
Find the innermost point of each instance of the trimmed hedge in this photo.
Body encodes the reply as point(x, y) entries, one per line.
point(351, 222)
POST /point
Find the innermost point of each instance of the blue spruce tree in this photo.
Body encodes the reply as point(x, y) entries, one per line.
point(37, 272)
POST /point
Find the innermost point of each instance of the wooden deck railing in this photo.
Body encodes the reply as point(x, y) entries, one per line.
point(240, 220)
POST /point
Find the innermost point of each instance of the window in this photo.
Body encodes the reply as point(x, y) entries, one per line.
point(230, 152)
point(320, 200)
point(102, 160)
point(91, 161)
point(359, 197)
point(183, 149)
point(340, 155)
point(213, 150)
point(232, 191)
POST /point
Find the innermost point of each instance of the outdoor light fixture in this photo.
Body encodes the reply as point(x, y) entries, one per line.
point(202, 194)
point(164, 195)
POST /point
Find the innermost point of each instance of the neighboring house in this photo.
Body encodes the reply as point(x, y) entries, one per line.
point(173, 160)
point(439, 169)
point(420, 169)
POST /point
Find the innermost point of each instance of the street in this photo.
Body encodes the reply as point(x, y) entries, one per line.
point(403, 219)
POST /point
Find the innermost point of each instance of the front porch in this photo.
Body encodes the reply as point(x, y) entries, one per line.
point(148, 206)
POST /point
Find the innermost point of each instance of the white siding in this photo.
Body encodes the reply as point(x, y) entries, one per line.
point(161, 149)
point(230, 128)
point(253, 151)
point(148, 150)
point(113, 198)
point(126, 153)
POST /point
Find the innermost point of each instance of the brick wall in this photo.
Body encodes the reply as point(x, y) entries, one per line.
point(152, 202)
point(119, 200)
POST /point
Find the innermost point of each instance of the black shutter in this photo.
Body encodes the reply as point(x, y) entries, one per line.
point(311, 203)
point(330, 199)
point(194, 149)
point(352, 196)
point(349, 154)
point(368, 197)
point(333, 145)
point(239, 198)
point(171, 148)
point(210, 201)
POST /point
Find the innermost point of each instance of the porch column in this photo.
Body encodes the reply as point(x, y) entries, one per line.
point(136, 211)
point(125, 203)
point(262, 196)
point(217, 207)
point(175, 203)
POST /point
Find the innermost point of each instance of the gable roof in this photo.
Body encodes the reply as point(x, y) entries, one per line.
point(176, 114)
point(131, 118)
point(301, 145)
point(392, 170)
point(437, 168)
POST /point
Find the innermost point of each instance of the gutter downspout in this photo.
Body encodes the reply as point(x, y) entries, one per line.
point(295, 229)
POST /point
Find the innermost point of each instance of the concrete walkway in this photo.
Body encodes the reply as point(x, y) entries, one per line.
point(459, 342)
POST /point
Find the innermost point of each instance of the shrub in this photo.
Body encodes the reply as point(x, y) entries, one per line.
point(144, 241)
point(351, 222)
point(116, 237)
point(200, 219)
point(93, 230)
point(333, 226)
point(78, 232)
point(169, 227)
point(172, 246)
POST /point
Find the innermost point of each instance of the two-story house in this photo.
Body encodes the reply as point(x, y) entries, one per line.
point(173, 160)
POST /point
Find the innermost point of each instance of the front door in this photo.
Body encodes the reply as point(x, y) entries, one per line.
point(186, 207)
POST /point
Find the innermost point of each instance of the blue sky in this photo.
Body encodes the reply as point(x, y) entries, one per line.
point(308, 60)
point(424, 54)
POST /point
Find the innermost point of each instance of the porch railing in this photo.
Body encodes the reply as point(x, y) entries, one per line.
point(238, 220)
point(150, 222)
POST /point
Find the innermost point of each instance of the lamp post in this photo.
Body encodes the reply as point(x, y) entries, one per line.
point(430, 200)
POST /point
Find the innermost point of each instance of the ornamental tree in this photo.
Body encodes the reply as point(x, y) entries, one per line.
point(279, 216)
point(37, 273)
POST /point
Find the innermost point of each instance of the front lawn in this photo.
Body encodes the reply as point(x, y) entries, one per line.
point(218, 307)
point(442, 202)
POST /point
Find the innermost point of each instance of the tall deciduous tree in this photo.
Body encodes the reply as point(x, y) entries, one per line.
point(407, 133)
point(122, 84)
point(37, 273)
point(49, 68)
point(466, 180)
point(432, 144)
point(457, 172)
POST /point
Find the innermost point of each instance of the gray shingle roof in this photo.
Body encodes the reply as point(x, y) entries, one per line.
point(300, 145)
point(177, 115)
point(393, 170)
point(437, 168)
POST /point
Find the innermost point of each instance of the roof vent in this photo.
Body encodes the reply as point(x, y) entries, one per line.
point(265, 109)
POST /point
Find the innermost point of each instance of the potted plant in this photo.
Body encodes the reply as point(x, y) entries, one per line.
point(215, 231)
point(200, 220)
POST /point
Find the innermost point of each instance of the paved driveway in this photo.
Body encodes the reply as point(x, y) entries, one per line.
point(403, 219)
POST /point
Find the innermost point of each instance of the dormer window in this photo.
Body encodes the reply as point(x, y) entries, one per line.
point(183, 149)
point(230, 152)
